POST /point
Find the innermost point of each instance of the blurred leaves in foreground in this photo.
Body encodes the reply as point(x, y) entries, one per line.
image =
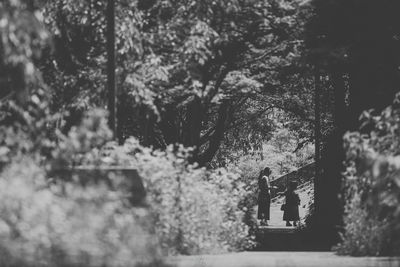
point(195, 210)
point(373, 186)
point(46, 221)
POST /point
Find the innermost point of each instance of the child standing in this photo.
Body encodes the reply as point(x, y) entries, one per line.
point(292, 202)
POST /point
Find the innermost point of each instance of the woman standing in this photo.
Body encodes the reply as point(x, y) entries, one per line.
point(292, 202)
point(264, 196)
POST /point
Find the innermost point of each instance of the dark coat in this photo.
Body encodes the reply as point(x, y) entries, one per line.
point(264, 200)
point(291, 211)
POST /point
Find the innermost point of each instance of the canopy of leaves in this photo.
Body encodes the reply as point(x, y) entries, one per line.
point(187, 70)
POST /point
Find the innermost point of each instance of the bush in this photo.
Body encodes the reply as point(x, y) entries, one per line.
point(191, 210)
point(373, 187)
point(195, 210)
point(249, 169)
point(364, 235)
point(48, 222)
point(65, 224)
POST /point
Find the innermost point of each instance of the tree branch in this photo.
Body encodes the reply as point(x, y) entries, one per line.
point(301, 144)
point(210, 131)
point(217, 136)
point(7, 97)
point(253, 117)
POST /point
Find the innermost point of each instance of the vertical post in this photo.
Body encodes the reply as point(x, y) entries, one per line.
point(179, 214)
point(111, 85)
point(317, 139)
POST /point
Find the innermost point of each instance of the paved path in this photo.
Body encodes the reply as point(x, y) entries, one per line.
point(282, 259)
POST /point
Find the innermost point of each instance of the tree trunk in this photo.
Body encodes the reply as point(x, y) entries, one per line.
point(317, 140)
point(170, 126)
point(331, 206)
point(18, 83)
point(340, 108)
point(374, 78)
point(218, 135)
point(111, 85)
point(193, 124)
point(149, 124)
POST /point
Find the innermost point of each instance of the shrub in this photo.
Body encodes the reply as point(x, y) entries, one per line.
point(249, 169)
point(372, 220)
point(65, 224)
point(191, 210)
point(48, 222)
point(195, 210)
point(364, 235)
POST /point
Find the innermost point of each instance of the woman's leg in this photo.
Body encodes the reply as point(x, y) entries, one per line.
point(288, 223)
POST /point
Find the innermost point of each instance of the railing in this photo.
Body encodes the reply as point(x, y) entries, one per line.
point(301, 176)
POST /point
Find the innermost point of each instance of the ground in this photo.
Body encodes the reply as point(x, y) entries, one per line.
point(282, 259)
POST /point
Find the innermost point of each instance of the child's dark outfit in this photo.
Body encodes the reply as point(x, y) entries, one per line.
point(291, 211)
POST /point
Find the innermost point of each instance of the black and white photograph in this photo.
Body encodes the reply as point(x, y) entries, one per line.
point(199, 133)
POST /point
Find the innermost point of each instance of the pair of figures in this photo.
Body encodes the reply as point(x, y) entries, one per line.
point(292, 200)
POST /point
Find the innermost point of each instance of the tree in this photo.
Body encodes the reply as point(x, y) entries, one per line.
point(354, 45)
point(186, 70)
point(24, 113)
point(22, 38)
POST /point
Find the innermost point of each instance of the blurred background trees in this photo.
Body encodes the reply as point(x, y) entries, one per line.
point(187, 72)
point(202, 76)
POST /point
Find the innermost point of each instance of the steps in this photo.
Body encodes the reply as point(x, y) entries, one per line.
point(277, 236)
point(276, 230)
point(279, 239)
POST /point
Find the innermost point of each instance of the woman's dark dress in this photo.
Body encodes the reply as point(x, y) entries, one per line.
point(291, 212)
point(264, 200)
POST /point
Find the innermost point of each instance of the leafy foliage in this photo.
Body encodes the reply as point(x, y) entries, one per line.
point(195, 210)
point(192, 210)
point(373, 192)
point(52, 226)
point(47, 221)
point(23, 36)
point(65, 224)
point(24, 113)
point(187, 71)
